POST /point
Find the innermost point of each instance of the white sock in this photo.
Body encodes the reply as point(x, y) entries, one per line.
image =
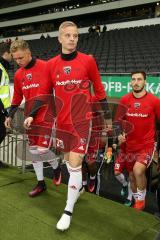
point(84, 183)
point(92, 177)
point(135, 195)
point(37, 163)
point(121, 179)
point(141, 194)
point(74, 184)
point(38, 168)
point(129, 192)
point(54, 164)
point(47, 155)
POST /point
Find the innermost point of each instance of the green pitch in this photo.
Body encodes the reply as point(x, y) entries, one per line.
point(95, 218)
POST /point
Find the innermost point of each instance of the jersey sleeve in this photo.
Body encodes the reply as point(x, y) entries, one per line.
point(18, 94)
point(119, 117)
point(121, 110)
point(96, 80)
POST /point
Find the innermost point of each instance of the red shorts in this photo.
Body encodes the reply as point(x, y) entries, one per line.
point(127, 160)
point(41, 134)
point(71, 138)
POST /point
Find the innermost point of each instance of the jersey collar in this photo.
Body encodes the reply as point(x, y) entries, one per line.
point(31, 63)
point(70, 56)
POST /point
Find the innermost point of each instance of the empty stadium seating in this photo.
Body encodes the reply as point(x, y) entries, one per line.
point(115, 51)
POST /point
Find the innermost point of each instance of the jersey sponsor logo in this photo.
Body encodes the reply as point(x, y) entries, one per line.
point(142, 115)
point(45, 142)
point(63, 83)
point(59, 143)
point(81, 148)
point(137, 105)
point(83, 141)
point(29, 76)
point(34, 85)
point(67, 69)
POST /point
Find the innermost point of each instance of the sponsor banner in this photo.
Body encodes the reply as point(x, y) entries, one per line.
point(117, 86)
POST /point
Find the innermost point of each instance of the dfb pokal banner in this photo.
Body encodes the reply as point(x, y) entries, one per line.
point(117, 86)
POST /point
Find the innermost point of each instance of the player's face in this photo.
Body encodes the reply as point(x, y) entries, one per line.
point(137, 82)
point(22, 57)
point(68, 37)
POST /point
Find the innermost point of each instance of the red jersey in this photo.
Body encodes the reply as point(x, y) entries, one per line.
point(27, 82)
point(72, 80)
point(140, 115)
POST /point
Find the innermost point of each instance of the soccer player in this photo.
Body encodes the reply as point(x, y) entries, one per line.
point(137, 112)
point(27, 80)
point(72, 74)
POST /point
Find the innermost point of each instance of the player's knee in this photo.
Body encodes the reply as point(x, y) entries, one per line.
point(42, 150)
point(33, 150)
point(75, 160)
point(117, 173)
point(138, 172)
point(75, 164)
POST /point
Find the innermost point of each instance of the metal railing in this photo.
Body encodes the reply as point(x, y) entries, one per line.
point(13, 150)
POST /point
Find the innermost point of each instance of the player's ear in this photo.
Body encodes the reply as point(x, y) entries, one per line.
point(130, 83)
point(59, 39)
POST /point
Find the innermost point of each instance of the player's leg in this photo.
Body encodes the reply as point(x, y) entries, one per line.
point(129, 199)
point(78, 144)
point(45, 142)
point(141, 182)
point(132, 189)
point(118, 172)
point(74, 185)
point(38, 147)
point(47, 155)
point(92, 167)
point(143, 160)
point(38, 168)
point(133, 185)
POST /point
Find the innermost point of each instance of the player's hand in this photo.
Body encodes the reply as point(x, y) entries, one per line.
point(108, 123)
point(114, 146)
point(122, 138)
point(8, 122)
point(27, 123)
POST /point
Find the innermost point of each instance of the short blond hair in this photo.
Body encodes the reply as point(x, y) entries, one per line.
point(19, 45)
point(66, 24)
